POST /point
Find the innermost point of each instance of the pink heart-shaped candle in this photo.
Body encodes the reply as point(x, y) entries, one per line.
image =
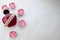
point(9, 20)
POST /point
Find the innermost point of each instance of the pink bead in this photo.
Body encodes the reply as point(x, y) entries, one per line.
point(12, 34)
point(4, 7)
point(12, 5)
point(22, 23)
point(20, 12)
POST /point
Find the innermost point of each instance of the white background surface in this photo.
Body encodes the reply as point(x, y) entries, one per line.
point(42, 20)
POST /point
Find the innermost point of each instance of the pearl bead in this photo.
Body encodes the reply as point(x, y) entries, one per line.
point(4, 7)
point(22, 23)
point(20, 12)
point(12, 5)
point(12, 34)
point(6, 12)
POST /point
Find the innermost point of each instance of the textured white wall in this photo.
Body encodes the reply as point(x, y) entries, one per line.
point(42, 17)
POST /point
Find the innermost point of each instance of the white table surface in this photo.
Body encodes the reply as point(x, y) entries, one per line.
point(42, 20)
